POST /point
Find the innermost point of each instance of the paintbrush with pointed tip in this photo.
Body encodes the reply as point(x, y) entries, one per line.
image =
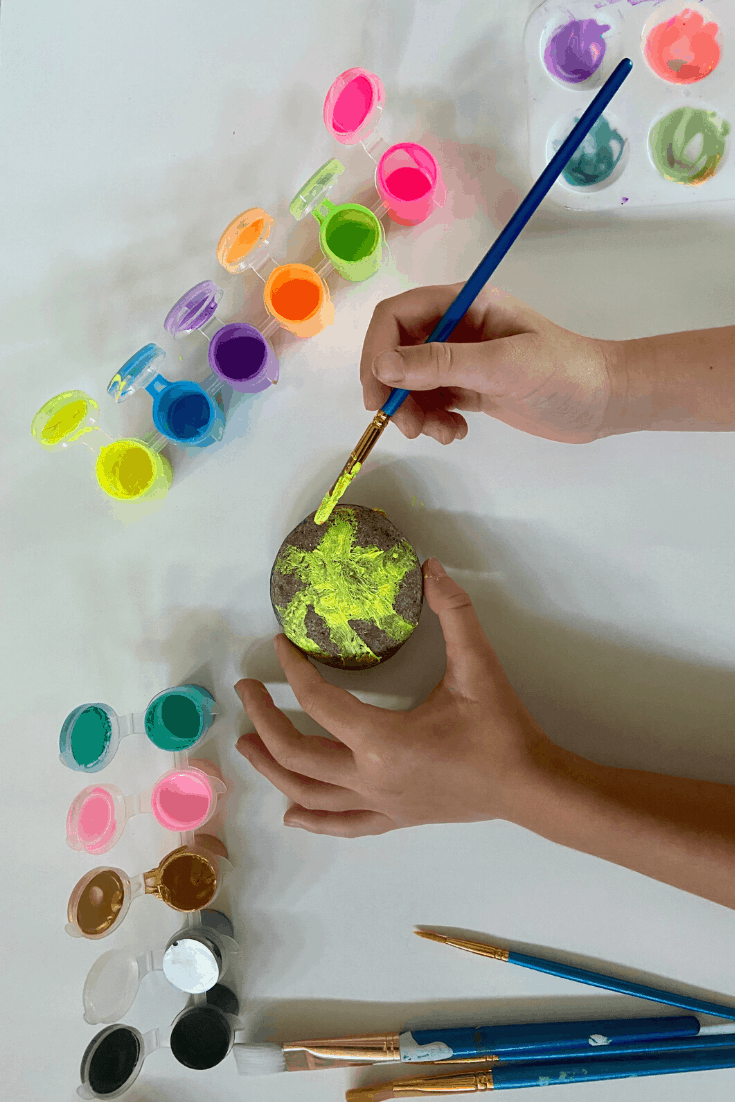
point(482, 273)
point(584, 975)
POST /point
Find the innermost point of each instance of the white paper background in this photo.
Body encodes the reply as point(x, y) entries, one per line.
point(132, 133)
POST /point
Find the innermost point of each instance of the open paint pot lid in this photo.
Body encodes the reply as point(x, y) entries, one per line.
point(135, 373)
point(99, 902)
point(193, 309)
point(113, 1059)
point(89, 737)
point(63, 419)
point(96, 818)
point(314, 191)
point(353, 105)
point(112, 984)
point(243, 238)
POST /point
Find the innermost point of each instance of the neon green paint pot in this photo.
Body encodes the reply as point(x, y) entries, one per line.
point(350, 235)
point(177, 718)
point(347, 592)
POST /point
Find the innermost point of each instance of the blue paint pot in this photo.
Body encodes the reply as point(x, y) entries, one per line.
point(183, 411)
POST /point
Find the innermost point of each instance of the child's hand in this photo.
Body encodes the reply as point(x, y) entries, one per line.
point(462, 756)
point(503, 359)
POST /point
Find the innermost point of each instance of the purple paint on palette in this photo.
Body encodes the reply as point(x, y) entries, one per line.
point(575, 51)
point(624, 200)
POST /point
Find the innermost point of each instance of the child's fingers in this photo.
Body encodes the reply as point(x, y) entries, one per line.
point(307, 792)
point(470, 658)
point(340, 824)
point(310, 755)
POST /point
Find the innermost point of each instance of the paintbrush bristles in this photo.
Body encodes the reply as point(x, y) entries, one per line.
point(430, 935)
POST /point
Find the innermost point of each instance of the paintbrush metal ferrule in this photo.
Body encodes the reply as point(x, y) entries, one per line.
point(368, 1048)
point(495, 952)
point(434, 1084)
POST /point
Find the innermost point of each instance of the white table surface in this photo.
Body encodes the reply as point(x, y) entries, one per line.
point(132, 133)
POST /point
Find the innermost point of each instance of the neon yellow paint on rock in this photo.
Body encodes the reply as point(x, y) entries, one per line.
point(346, 582)
point(330, 500)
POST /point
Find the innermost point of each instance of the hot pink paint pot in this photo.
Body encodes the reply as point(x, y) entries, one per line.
point(185, 799)
point(409, 182)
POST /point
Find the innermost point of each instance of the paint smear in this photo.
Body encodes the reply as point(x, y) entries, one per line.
point(296, 299)
point(100, 903)
point(352, 106)
point(113, 1061)
point(407, 183)
point(683, 49)
point(345, 582)
point(90, 736)
point(575, 51)
point(688, 144)
point(182, 801)
point(596, 158)
point(96, 822)
point(331, 498)
point(63, 422)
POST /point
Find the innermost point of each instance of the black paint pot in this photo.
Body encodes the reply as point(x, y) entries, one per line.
point(202, 1034)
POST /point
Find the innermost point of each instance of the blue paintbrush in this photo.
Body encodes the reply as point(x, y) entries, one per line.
point(584, 975)
point(544, 1075)
point(444, 328)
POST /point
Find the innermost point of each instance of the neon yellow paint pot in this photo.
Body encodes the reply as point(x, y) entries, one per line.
point(129, 470)
point(64, 418)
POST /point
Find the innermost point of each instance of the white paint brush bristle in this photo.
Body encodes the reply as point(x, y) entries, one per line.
point(259, 1059)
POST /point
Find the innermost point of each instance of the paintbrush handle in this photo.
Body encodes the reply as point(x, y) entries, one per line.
point(444, 328)
point(621, 986)
point(548, 1075)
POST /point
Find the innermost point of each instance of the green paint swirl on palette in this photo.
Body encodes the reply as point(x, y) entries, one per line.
point(688, 144)
point(597, 157)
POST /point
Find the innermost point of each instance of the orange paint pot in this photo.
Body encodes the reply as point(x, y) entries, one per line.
point(298, 299)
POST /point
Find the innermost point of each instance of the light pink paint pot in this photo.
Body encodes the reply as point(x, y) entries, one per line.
point(186, 799)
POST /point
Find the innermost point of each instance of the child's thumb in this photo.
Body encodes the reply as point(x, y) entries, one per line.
point(428, 366)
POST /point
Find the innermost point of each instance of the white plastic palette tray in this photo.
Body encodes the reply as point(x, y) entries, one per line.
point(643, 101)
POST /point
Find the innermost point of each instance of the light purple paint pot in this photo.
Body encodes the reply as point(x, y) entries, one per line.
point(240, 355)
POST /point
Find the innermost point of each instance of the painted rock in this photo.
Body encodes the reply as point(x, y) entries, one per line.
point(347, 592)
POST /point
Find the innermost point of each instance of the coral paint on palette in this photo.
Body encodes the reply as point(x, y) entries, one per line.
point(683, 49)
point(575, 51)
point(688, 144)
point(597, 157)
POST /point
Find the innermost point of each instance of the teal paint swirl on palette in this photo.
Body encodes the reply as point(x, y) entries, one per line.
point(688, 144)
point(597, 157)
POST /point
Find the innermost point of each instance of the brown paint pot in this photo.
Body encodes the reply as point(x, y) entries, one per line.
point(187, 879)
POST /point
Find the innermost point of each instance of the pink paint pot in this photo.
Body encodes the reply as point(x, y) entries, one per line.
point(97, 818)
point(185, 799)
point(409, 181)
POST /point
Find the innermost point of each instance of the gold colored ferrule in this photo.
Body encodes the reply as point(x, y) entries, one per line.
point(368, 1048)
point(369, 438)
point(435, 1084)
point(495, 952)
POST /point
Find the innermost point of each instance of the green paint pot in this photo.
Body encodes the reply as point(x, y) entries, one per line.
point(350, 235)
point(177, 718)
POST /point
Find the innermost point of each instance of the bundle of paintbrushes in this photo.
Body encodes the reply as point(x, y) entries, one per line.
point(539, 1054)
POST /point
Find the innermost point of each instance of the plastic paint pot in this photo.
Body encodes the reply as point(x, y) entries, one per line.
point(176, 719)
point(408, 178)
point(295, 295)
point(127, 470)
point(113, 1059)
point(409, 182)
point(183, 799)
point(182, 411)
point(187, 879)
point(203, 1034)
point(350, 235)
point(238, 353)
point(194, 960)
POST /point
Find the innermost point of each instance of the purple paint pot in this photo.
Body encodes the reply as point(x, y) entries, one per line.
point(241, 355)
